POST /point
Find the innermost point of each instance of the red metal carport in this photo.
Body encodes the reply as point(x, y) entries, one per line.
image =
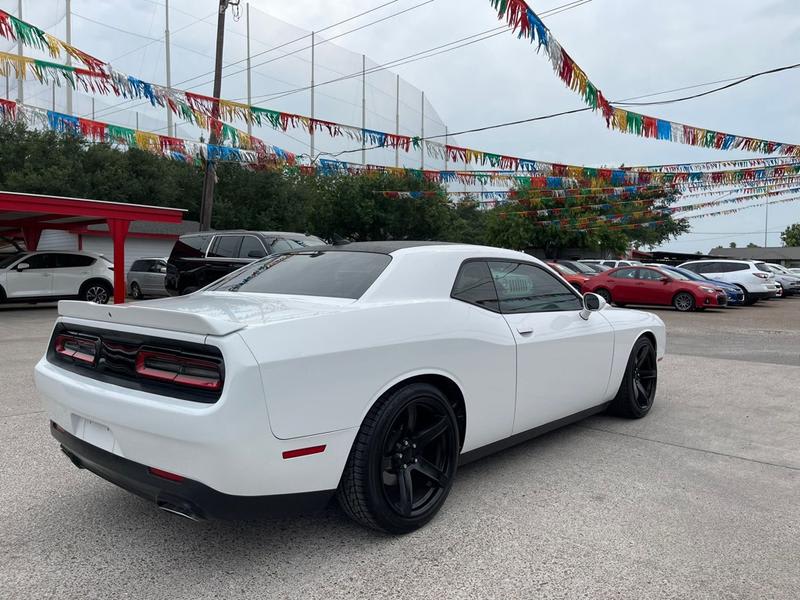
point(27, 215)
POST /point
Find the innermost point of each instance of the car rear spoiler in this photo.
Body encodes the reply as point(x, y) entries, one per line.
point(155, 317)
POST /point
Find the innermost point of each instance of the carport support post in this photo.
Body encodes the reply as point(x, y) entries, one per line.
point(119, 231)
point(31, 234)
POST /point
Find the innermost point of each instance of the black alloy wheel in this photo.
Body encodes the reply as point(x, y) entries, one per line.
point(403, 462)
point(684, 302)
point(638, 390)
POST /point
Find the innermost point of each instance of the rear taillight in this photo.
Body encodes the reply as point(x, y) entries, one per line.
point(761, 275)
point(165, 475)
point(182, 370)
point(82, 350)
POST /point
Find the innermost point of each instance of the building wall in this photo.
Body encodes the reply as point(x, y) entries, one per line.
point(135, 248)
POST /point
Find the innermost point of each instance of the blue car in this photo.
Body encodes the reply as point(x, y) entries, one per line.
point(735, 295)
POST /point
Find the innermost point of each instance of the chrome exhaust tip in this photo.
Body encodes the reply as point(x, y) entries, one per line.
point(186, 511)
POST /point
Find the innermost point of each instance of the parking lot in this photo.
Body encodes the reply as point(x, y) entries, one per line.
point(699, 500)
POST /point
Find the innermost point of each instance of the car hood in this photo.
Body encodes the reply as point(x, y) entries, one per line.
point(722, 284)
point(207, 313)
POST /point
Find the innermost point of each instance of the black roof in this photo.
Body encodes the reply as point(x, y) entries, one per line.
point(376, 247)
point(288, 234)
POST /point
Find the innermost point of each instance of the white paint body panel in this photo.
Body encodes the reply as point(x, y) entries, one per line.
point(304, 371)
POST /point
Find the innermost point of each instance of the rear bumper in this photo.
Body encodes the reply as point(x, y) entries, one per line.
point(187, 497)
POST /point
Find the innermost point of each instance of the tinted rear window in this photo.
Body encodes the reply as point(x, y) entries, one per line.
point(192, 246)
point(332, 274)
point(763, 267)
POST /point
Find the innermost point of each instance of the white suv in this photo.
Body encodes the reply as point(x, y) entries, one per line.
point(48, 276)
point(753, 278)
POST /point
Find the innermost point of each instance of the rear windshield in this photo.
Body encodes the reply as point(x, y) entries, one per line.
point(763, 267)
point(332, 274)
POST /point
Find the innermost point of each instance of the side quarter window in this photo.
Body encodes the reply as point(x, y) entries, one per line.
point(474, 285)
point(525, 288)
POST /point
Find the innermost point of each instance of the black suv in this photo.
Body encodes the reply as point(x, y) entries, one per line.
point(198, 259)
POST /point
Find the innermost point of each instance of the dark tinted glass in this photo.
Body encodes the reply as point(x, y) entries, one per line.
point(65, 261)
point(41, 261)
point(524, 288)
point(331, 274)
point(192, 246)
point(252, 248)
point(139, 266)
point(157, 266)
point(226, 246)
point(474, 284)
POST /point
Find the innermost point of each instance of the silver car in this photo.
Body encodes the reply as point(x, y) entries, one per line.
point(146, 278)
point(790, 281)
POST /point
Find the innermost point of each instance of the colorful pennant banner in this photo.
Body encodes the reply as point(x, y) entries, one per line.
point(527, 24)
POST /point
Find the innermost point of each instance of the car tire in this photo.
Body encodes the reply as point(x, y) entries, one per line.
point(604, 294)
point(638, 389)
point(748, 299)
point(2, 295)
point(136, 291)
point(403, 461)
point(684, 302)
point(98, 292)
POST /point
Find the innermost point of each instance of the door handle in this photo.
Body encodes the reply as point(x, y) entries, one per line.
point(522, 330)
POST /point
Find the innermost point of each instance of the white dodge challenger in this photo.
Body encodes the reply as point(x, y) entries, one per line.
point(369, 371)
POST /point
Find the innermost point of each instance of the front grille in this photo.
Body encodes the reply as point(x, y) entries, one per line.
point(115, 360)
point(722, 300)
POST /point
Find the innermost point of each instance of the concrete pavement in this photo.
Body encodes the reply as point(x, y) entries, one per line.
point(699, 500)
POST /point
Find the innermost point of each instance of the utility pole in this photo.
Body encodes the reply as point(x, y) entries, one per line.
point(69, 56)
point(766, 220)
point(210, 179)
point(170, 132)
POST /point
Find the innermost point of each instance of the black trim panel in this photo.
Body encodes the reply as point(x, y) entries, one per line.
point(115, 363)
point(519, 438)
point(190, 496)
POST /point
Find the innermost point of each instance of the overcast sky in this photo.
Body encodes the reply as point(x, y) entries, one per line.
point(627, 47)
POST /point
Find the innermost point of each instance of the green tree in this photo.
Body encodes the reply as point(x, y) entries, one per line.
point(791, 235)
point(732, 245)
point(518, 225)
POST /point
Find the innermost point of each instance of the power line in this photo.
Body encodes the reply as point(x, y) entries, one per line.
point(715, 90)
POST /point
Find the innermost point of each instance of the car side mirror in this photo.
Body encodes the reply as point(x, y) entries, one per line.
point(162, 269)
point(23, 266)
point(665, 279)
point(592, 303)
point(255, 254)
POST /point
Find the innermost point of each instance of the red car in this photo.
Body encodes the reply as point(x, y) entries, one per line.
point(576, 280)
point(651, 285)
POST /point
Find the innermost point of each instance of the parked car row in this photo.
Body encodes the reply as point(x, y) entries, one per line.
point(694, 285)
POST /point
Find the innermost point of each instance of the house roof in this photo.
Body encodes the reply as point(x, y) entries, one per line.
point(157, 228)
point(774, 253)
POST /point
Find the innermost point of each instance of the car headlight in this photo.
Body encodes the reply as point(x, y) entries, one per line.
point(708, 290)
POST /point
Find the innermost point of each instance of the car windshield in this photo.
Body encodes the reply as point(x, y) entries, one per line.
point(563, 269)
point(580, 268)
point(332, 274)
point(674, 274)
point(690, 275)
point(5, 261)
